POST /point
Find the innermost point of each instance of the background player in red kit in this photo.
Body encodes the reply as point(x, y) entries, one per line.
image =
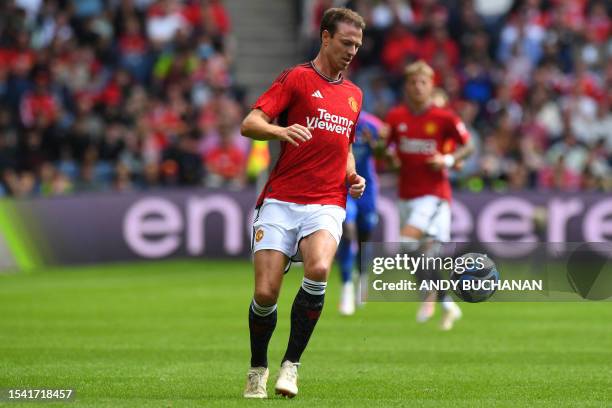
point(301, 209)
point(421, 133)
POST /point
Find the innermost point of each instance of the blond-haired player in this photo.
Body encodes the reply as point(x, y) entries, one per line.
point(420, 135)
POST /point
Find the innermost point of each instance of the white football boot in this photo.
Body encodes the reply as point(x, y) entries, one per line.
point(257, 378)
point(347, 299)
point(450, 314)
point(425, 312)
point(427, 309)
point(286, 384)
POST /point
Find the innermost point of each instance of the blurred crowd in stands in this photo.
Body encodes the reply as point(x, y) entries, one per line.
point(532, 79)
point(124, 94)
point(134, 94)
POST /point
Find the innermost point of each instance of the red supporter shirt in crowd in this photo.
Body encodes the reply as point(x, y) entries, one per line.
point(315, 171)
point(417, 138)
point(226, 161)
point(132, 44)
point(35, 105)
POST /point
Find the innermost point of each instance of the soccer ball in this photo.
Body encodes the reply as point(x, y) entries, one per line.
point(475, 274)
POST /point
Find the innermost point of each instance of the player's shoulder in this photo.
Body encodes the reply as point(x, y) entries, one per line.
point(351, 85)
point(443, 113)
point(293, 73)
point(395, 112)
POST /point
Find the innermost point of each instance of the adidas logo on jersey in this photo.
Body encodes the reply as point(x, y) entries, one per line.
point(317, 94)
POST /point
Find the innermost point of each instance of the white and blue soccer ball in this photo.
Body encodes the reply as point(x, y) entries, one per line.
point(476, 274)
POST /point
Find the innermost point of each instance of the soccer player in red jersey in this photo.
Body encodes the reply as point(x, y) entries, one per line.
point(422, 134)
point(302, 206)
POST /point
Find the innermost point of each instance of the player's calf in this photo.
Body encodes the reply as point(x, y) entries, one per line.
point(262, 322)
point(305, 313)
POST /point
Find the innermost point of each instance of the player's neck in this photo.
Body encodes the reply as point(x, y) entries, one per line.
point(324, 67)
point(418, 108)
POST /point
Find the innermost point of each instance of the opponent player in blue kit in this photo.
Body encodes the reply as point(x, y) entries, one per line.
point(361, 214)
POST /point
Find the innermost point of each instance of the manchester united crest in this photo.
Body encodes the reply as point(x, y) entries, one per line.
point(353, 104)
point(430, 128)
point(259, 235)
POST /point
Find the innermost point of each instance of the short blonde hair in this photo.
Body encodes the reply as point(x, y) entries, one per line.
point(419, 67)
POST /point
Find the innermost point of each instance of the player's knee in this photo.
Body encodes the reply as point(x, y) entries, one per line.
point(317, 271)
point(409, 244)
point(266, 296)
point(433, 248)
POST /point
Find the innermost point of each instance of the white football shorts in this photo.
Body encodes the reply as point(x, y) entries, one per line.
point(281, 225)
point(430, 214)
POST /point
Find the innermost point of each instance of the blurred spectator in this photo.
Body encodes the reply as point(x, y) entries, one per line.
point(438, 42)
point(118, 95)
point(225, 162)
point(558, 176)
point(400, 46)
point(532, 79)
point(164, 21)
point(129, 94)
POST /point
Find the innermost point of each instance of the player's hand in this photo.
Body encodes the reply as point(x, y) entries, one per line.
point(384, 131)
point(366, 134)
point(458, 166)
point(357, 185)
point(440, 161)
point(436, 162)
point(295, 134)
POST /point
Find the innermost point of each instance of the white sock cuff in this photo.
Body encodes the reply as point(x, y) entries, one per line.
point(313, 287)
point(262, 311)
point(447, 302)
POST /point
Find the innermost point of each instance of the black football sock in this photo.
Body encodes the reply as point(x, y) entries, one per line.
point(305, 313)
point(262, 321)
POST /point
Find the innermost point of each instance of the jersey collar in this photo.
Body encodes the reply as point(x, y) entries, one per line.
point(325, 77)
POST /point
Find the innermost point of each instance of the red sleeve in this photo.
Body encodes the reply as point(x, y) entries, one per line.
point(278, 97)
point(352, 135)
point(457, 130)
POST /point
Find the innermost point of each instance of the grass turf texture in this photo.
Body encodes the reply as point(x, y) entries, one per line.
point(173, 334)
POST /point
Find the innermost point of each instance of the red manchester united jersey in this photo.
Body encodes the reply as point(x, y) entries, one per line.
point(315, 171)
point(417, 137)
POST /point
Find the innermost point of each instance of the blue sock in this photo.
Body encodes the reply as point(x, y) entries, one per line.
point(346, 259)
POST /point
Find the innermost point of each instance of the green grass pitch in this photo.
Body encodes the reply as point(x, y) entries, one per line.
point(174, 334)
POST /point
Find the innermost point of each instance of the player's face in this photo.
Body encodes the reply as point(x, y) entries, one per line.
point(419, 88)
point(343, 46)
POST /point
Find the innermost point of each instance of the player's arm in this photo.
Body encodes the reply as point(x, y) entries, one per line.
point(377, 144)
point(388, 154)
point(465, 148)
point(356, 182)
point(392, 160)
point(257, 126)
point(451, 160)
point(388, 150)
point(463, 152)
